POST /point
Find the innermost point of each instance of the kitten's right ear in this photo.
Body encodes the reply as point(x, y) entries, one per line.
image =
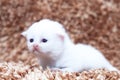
point(24, 33)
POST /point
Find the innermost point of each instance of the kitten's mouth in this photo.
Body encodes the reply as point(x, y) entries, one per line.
point(36, 49)
point(37, 52)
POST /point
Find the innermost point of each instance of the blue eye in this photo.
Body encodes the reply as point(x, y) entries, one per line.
point(31, 40)
point(44, 40)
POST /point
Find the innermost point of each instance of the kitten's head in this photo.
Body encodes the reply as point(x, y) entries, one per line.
point(45, 37)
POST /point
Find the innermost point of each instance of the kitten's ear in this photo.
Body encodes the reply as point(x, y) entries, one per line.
point(24, 33)
point(61, 36)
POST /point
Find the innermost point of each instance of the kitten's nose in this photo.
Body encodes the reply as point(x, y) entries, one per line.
point(35, 46)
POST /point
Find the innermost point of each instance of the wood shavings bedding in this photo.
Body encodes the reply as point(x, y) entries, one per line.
point(20, 71)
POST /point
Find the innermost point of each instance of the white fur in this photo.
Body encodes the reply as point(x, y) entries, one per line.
point(60, 53)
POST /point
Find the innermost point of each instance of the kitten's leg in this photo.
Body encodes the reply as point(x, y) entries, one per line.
point(67, 70)
point(55, 69)
point(111, 68)
point(62, 69)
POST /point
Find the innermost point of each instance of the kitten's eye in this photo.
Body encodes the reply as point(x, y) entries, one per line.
point(31, 40)
point(44, 40)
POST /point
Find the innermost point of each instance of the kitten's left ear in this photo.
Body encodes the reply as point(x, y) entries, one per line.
point(24, 33)
point(61, 36)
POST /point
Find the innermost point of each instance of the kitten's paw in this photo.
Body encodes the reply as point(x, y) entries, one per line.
point(67, 70)
point(55, 69)
point(62, 69)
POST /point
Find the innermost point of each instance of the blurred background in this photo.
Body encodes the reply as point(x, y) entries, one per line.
point(94, 22)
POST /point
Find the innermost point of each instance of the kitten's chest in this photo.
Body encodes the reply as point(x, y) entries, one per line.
point(46, 62)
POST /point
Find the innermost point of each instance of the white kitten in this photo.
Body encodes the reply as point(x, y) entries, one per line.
point(53, 47)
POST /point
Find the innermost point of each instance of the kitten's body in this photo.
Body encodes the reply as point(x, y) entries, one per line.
point(59, 52)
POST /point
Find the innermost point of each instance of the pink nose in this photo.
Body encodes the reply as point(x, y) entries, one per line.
point(35, 46)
